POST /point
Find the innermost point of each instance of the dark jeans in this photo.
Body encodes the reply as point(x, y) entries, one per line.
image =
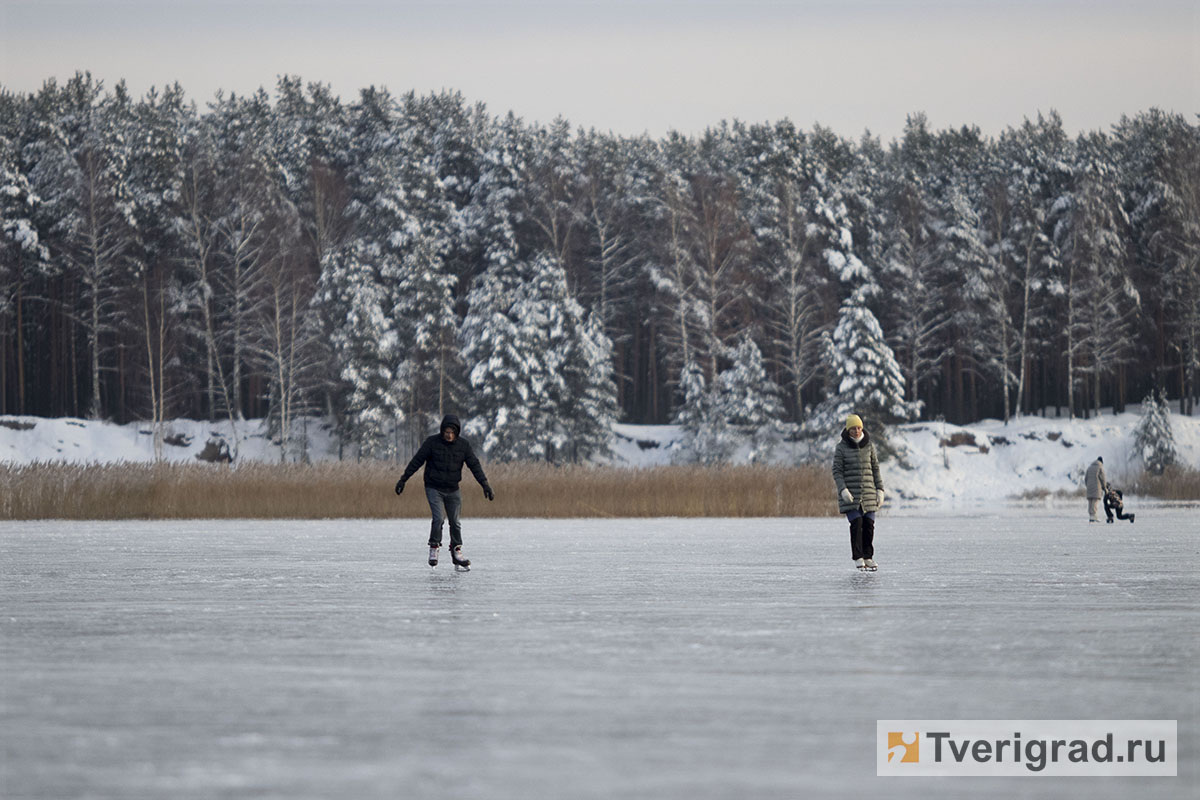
point(1120, 510)
point(862, 534)
point(444, 506)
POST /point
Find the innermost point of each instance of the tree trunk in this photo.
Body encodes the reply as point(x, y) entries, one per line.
point(1024, 336)
point(1070, 345)
point(21, 354)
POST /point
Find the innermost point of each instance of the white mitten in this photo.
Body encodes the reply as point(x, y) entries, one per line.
point(846, 496)
point(880, 493)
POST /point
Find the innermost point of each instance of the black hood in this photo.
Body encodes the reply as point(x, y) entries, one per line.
point(860, 443)
point(451, 421)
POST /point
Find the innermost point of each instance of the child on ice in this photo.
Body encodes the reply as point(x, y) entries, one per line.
point(1114, 501)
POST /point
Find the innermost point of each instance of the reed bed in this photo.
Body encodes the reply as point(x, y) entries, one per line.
point(1176, 483)
point(365, 490)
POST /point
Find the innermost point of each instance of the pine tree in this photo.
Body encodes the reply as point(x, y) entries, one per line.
point(914, 279)
point(81, 157)
point(23, 254)
point(1153, 438)
point(158, 132)
point(786, 190)
point(1101, 302)
point(253, 224)
point(1160, 158)
point(550, 198)
point(310, 136)
point(987, 334)
point(671, 266)
point(702, 267)
point(613, 192)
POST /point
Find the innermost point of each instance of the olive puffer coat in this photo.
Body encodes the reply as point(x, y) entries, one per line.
point(856, 467)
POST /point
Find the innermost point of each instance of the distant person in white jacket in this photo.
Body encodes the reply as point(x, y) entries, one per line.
point(1096, 486)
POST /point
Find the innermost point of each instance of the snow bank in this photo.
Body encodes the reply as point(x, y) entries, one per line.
point(940, 463)
point(25, 440)
point(991, 460)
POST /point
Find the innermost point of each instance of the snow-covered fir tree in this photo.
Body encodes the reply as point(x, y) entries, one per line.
point(1153, 438)
point(748, 401)
point(863, 370)
point(538, 390)
point(396, 248)
point(425, 315)
point(741, 409)
point(706, 438)
point(357, 307)
point(591, 400)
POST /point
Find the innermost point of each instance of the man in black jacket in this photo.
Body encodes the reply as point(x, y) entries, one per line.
point(443, 456)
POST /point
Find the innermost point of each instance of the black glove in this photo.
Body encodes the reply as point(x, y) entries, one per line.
point(400, 486)
point(488, 493)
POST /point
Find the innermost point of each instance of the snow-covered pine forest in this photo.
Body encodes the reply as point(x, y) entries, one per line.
point(382, 261)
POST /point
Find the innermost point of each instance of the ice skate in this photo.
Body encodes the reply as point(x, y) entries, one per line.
point(461, 563)
point(870, 565)
point(433, 556)
point(861, 563)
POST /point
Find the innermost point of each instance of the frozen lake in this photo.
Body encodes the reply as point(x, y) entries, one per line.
point(579, 658)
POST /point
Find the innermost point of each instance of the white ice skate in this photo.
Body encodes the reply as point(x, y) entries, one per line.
point(461, 563)
point(433, 556)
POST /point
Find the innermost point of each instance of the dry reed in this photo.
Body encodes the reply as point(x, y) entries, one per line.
point(1176, 483)
point(364, 490)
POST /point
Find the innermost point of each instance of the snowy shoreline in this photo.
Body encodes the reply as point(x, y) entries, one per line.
point(956, 466)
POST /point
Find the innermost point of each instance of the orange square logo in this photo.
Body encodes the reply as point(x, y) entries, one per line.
point(905, 745)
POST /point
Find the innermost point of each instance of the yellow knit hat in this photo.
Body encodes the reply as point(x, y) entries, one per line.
point(853, 421)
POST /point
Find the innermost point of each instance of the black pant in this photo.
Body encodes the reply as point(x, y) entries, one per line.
point(1120, 511)
point(862, 538)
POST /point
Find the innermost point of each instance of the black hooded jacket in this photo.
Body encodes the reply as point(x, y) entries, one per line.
point(444, 460)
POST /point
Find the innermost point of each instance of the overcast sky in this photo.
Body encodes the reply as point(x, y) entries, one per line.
point(652, 65)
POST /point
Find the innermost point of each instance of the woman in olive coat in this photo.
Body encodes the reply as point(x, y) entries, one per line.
point(859, 488)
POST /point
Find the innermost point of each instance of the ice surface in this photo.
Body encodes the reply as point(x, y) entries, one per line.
point(578, 659)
